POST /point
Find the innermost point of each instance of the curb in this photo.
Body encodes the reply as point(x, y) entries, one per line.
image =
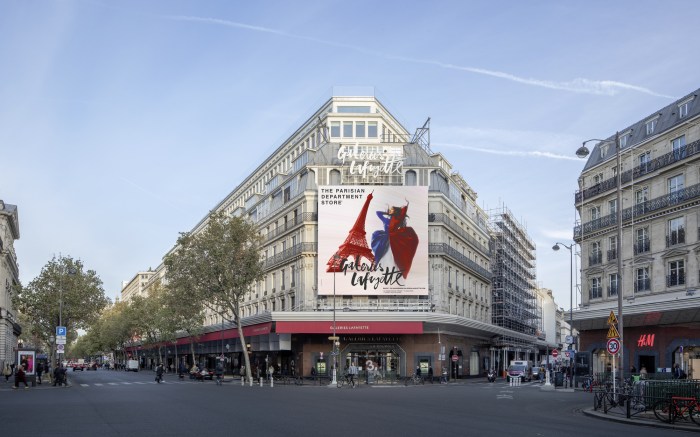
point(590, 412)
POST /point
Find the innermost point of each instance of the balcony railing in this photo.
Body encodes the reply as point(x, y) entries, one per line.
point(662, 161)
point(675, 280)
point(612, 255)
point(675, 237)
point(642, 246)
point(639, 210)
point(301, 218)
point(288, 254)
point(454, 227)
point(444, 248)
point(642, 285)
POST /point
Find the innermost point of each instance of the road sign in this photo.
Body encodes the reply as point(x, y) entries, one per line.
point(455, 358)
point(60, 341)
point(60, 330)
point(614, 346)
point(555, 353)
point(60, 348)
point(612, 332)
point(333, 337)
point(612, 320)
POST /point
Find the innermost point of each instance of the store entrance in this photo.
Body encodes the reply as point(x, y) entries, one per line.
point(648, 361)
point(376, 363)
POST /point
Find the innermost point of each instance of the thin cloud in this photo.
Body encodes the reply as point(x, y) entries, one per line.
point(578, 85)
point(525, 153)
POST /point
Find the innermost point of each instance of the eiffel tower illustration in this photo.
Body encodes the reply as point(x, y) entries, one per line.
point(355, 244)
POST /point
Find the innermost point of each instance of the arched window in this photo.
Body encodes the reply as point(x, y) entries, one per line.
point(411, 178)
point(335, 177)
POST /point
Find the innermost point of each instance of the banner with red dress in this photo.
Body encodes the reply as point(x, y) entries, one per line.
point(373, 240)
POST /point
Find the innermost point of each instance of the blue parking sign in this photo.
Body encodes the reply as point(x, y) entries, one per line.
point(60, 330)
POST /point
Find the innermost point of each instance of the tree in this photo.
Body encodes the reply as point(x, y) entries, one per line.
point(63, 293)
point(217, 265)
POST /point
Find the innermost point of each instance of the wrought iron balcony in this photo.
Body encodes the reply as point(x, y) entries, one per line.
point(642, 285)
point(642, 246)
point(675, 280)
point(640, 210)
point(301, 218)
point(665, 160)
point(454, 227)
point(444, 248)
point(290, 253)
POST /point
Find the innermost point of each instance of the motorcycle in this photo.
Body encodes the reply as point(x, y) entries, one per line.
point(491, 376)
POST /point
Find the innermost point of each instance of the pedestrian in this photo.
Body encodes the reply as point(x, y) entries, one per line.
point(57, 375)
point(219, 373)
point(20, 376)
point(159, 373)
point(430, 374)
point(633, 369)
point(270, 371)
point(352, 371)
point(643, 373)
point(39, 371)
point(7, 372)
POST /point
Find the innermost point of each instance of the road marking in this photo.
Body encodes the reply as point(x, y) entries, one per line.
point(99, 384)
point(504, 397)
point(113, 383)
point(140, 382)
point(85, 385)
point(126, 383)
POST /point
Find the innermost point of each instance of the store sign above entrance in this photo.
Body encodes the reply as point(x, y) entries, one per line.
point(373, 240)
point(325, 327)
point(646, 340)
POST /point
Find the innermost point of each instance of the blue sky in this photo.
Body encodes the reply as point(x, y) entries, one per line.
point(123, 123)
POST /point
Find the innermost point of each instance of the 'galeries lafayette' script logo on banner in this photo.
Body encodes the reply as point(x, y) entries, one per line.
point(350, 327)
point(368, 162)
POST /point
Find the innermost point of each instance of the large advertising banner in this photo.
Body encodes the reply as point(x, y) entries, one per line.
point(373, 240)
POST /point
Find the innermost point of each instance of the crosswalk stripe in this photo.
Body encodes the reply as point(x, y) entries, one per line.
point(126, 383)
point(98, 384)
point(112, 383)
point(85, 385)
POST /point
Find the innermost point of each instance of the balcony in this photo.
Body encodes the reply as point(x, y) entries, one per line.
point(454, 227)
point(659, 203)
point(290, 253)
point(612, 255)
point(444, 248)
point(303, 217)
point(642, 246)
point(666, 160)
point(675, 280)
point(641, 285)
point(675, 237)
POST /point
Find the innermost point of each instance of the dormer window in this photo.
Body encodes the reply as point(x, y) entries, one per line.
point(651, 125)
point(684, 108)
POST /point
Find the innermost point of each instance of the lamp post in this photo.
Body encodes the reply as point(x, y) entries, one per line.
point(582, 152)
point(556, 247)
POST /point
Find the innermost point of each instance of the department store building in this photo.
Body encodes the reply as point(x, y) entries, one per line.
point(371, 235)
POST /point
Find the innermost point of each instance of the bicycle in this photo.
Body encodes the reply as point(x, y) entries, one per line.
point(415, 379)
point(346, 380)
point(668, 410)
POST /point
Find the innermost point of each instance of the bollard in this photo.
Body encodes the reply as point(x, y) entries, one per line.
point(251, 381)
point(272, 381)
point(242, 381)
point(261, 381)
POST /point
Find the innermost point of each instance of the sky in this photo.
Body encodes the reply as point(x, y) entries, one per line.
point(123, 123)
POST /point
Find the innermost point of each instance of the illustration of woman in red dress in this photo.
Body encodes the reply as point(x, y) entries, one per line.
point(402, 239)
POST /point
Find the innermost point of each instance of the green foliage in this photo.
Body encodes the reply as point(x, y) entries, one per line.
point(215, 267)
point(63, 292)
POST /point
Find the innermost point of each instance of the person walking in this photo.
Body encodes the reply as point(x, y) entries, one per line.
point(20, 376)
point(352, 372)
point(159, 373)
point(219, 373)
point(58, 375)
point(7, 372)
point(643, 373)
point(39, 371)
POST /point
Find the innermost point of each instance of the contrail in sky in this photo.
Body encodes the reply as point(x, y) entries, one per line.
point(531, 153)
point(578, 85)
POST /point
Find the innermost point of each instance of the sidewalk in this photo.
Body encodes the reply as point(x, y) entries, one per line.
point(642, 419)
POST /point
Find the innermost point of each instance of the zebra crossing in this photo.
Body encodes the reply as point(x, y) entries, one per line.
point(125, 383)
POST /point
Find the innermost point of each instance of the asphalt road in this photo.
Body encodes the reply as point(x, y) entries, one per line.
point(111, 403)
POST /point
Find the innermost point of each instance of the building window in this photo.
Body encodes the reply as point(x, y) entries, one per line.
point(676, 231)
point(612, 285)
point(335, 129)
point(411, 178)
point(642, 282)
point(372, 129)
point(683, 109)
point(651, 126)
point(612, 248)
point(597, 178)
point(347, 129)
point(678, 147)
point(675, 186)
point(676, 273)
point(641, 243)
point(623, 140)
point(335, 177)
point(595, 291)
point(595, 213)
point(596, 256)
point(359, 129)
point(641, 196)
point(612, 206)
point(645, 162)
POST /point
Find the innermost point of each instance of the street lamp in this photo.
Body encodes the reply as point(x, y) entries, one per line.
point(582, 152)
point(556, 247)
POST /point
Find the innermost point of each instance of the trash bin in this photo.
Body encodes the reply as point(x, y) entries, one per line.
point(558, 379)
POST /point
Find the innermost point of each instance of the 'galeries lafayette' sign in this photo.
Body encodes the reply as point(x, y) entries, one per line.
point(369, 162)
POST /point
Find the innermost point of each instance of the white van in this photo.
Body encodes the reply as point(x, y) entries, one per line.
point(521, 369)
point(132, 366)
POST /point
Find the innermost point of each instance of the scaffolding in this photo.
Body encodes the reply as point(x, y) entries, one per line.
point(514, 296)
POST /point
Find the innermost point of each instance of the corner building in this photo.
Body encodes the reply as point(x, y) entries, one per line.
point(660, 246)
point(370, 235)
